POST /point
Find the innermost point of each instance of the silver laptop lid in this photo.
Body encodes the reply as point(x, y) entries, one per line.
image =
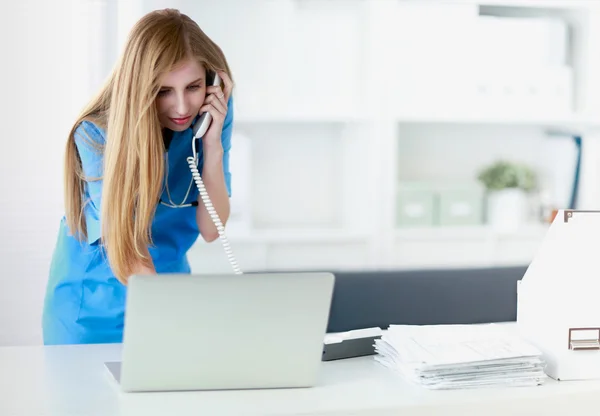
point(194, 332)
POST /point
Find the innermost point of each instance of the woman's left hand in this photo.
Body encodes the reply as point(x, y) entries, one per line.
point(215, 103)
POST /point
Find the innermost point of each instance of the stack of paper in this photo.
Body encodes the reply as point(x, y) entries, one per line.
point(460, 356)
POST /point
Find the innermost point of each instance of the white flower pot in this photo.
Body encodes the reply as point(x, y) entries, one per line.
point(507, 209)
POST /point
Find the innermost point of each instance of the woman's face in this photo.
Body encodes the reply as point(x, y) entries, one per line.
point(181, 95)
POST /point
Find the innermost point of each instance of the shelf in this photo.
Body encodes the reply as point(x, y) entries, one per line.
point(550, 121)
point(299, 118)
point(532, 231)
point(571, 122)
point(296, 236)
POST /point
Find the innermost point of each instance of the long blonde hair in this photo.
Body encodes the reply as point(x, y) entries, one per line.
point(133, 166)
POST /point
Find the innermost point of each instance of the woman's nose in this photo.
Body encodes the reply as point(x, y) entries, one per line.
point(182, 106)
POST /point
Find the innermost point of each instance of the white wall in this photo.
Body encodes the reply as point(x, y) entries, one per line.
point(44, 81)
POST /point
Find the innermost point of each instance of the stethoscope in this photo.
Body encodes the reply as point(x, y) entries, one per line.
point(199, 128)
point(193, 161)
point(170, 203)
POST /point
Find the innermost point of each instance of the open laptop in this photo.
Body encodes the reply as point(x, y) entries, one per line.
point(209, 332)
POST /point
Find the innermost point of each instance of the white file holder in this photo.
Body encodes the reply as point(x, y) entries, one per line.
point(558, 307)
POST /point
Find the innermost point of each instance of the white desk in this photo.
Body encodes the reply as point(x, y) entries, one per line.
point(71, 380)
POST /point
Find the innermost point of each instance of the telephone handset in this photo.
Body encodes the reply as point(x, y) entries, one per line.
point(199, 130)
point(201, 126)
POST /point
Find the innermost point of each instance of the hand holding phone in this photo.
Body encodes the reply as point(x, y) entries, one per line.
point(203, 123)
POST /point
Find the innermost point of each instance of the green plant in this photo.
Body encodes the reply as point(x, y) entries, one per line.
point(503, 175)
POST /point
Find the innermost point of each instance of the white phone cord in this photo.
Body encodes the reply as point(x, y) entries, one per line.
point(212, 212)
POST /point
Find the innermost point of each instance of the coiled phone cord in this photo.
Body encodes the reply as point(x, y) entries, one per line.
point(211, 210)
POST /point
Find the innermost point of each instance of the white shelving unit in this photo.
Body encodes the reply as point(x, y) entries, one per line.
point(343, 100)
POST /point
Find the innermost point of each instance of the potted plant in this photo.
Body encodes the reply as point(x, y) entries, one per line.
point(508, 185)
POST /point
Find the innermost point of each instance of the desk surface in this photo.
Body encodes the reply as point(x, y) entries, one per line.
point(72, 380)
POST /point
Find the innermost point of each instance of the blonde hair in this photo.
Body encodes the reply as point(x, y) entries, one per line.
point(133, 166)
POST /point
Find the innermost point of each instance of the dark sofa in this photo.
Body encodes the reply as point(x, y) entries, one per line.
point(378, 298)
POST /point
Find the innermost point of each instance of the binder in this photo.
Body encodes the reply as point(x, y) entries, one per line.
point(357, 343)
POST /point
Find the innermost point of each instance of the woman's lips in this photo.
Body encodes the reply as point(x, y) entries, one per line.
point(180, 120)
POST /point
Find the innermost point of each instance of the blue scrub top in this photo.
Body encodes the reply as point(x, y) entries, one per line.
point(84, 301)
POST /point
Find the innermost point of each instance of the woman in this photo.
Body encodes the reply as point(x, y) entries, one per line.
point(131, 205)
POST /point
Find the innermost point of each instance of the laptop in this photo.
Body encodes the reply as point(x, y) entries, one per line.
point(216, 332)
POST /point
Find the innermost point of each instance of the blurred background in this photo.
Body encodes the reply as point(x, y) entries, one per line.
point(369, 134)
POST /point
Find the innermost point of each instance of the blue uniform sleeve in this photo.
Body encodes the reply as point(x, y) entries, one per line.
point(89, 140)
point(226, 141)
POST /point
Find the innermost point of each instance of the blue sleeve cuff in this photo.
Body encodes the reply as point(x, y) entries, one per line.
point(226, 142)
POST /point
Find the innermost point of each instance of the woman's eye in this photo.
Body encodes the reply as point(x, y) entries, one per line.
point(162, 93)
point(194, 87)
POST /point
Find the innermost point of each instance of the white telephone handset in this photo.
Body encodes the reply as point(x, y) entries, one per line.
point(201, 126)
point(199, 130)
